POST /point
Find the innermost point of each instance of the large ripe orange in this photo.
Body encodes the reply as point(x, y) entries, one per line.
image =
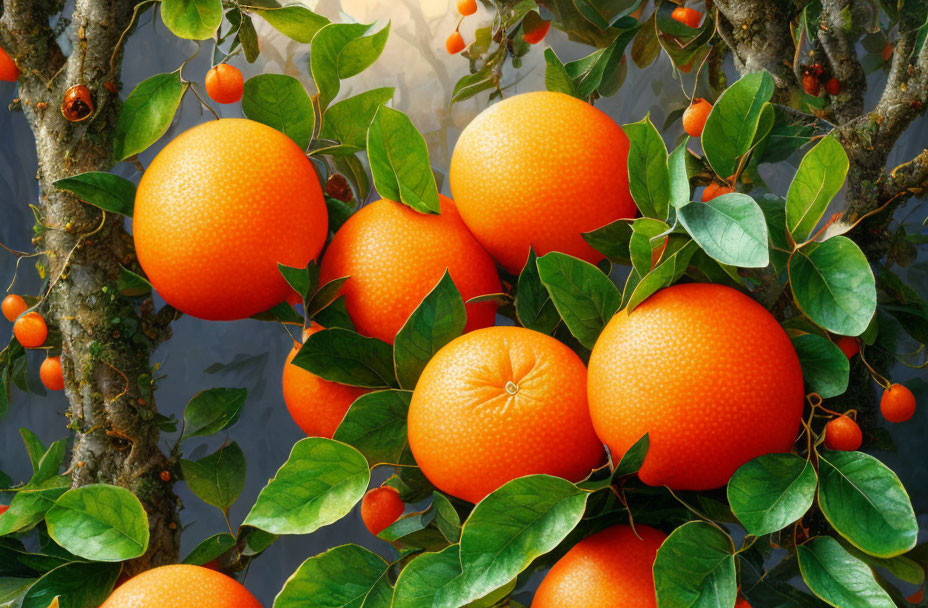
point(215, 212)
point(181, 586)
point(395, 256)
point(708, 373)
point(608, 569)
point(500, 403)
point(539, 169)
point(316, 405)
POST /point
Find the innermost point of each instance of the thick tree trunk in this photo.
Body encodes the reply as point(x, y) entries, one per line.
point(106, 339)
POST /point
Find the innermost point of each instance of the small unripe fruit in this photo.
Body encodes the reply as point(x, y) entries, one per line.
point(689, 17)
point(694, 117)
point(454, 44)
point(51, 375)
point(849, 346)
point(381, 507)
point(225, 83)
point(8, 70)
point(13, 306)
point(30, 330)
point(843, 434)
point(467, 7)
point(897, 403)
point(833, 86)
point(538, 33)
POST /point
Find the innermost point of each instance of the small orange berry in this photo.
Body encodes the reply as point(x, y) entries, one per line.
point(849, 346)
point(467, 7)
point(77, 104)
point(8, 70)
point(742, 603)
point(811, 84)
point(454, 44)
point(13, 306)
point(694, 117)
point(687, 67)
point(536, 35)
point(713, 190)
point(51, 375)
point(165, 476)
point(381, 507)
point(833, 86)
point(30, 330)
point(887, 52)
point(842, 433)
point(689, 17)
point(897, 403)
point(225, 83)
point(917, 597)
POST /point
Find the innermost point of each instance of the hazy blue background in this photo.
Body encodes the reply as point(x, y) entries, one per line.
point(415, 62)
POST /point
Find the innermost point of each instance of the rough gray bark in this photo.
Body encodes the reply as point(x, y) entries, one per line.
point(106, 340)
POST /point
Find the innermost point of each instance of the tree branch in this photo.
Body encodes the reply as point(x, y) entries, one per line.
point(25, 34)
point(845, 65)
point(908, 179)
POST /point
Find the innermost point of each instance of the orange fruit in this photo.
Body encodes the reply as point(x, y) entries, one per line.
point(694, 117)
point(8, 70)
point(897, 403)
point(833, 86)
point(454, 44)
point(225, 83)
point(689, 17)
point(887, 53)
point(713, 190)
point(13, 306)
point(811, 85)
point(181, 586)
point(536, 35)
point(316, 405)
point(849, 346)
point(51, 375)
point(30, 329)
point(381, 507)
point(500, 403)
point(917, 597)
point(707, 372)
point(608, 569)
point(467, 7)
point(742, 603)
point(4, 509)
point(395, 256)
point(842, 433)
point(538, 169)
point(215, 212)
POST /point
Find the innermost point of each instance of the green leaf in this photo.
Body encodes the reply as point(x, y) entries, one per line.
point(318, 485)
point(132, 285)
point(837, 577)
point(303, 280)
point(399, 159)
point(584, 297)
point(695, 567)
point(192, 19)
point(219, 478)
point(447, 519)
point(427, 579)
point(281, 102)
point(104, 190)
point(825, 368)
point(328, 45)
point(348, 121)
point(248, 37)
point(375, 425)
point(679, 177)
point(732, 124)
point(556, 77)
point(645, 46)
point(34, 447)
point(76, 585)
point(648, 176)
point(439, 319)
point(647, 237)
point(99, 522)
point(342, 576)
point(595, 71)
point(28, 507)
point(212, 411)
point(730, 228)
point(612, 240)
point(834, 286)
point(324, 297)
point(866, 503)
point(771, 492)
point(672, 265)
point(633, 458)
point(344, 356)
point(360, 53)
point(147, 113)
point(534, 307)
point(296, 22)
point(212, 548)
point(819, 178)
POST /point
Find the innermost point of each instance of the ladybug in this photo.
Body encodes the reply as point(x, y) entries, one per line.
point(77, 104)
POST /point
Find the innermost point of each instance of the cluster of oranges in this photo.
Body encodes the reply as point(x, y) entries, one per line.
point(533, 31)
point(31, 331)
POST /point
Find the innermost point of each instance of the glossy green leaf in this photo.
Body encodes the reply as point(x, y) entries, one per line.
point(281, 102)
point(399, 159)
point(534, 307)
point(343, 576)
point(212, 411)
point(584, 297)
point(375, 425)
point(834, 286)
point(347, 121)
point(824, 367)
point(901, 566)
point(319, 484)
point(219, 478)
point(328, 45)
point(695, 567)
point(99, 522)
point(132, 285)
point(447, 519)
point(147, 113)
point(104, 190)
point(772, 491)
point(192, 19)
point(732, 124)
point(556, 77)
point(429, 579)
point(595, 72)
point(360, 53)
point(839, 578)
point(730, 228)
point(296, 22)
point(679, 177)
point(344, 356)
point(209, 549)
point(612, 240)
point(76, 585)
point(28, 507)
point(866, 503)
point(439, 319)
point(633, 458)
point(247, 36)
point(647, 238)
point(672, 265)
point(324, 297)
point(648, 176)
point(304, 281)
point(819, 178)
